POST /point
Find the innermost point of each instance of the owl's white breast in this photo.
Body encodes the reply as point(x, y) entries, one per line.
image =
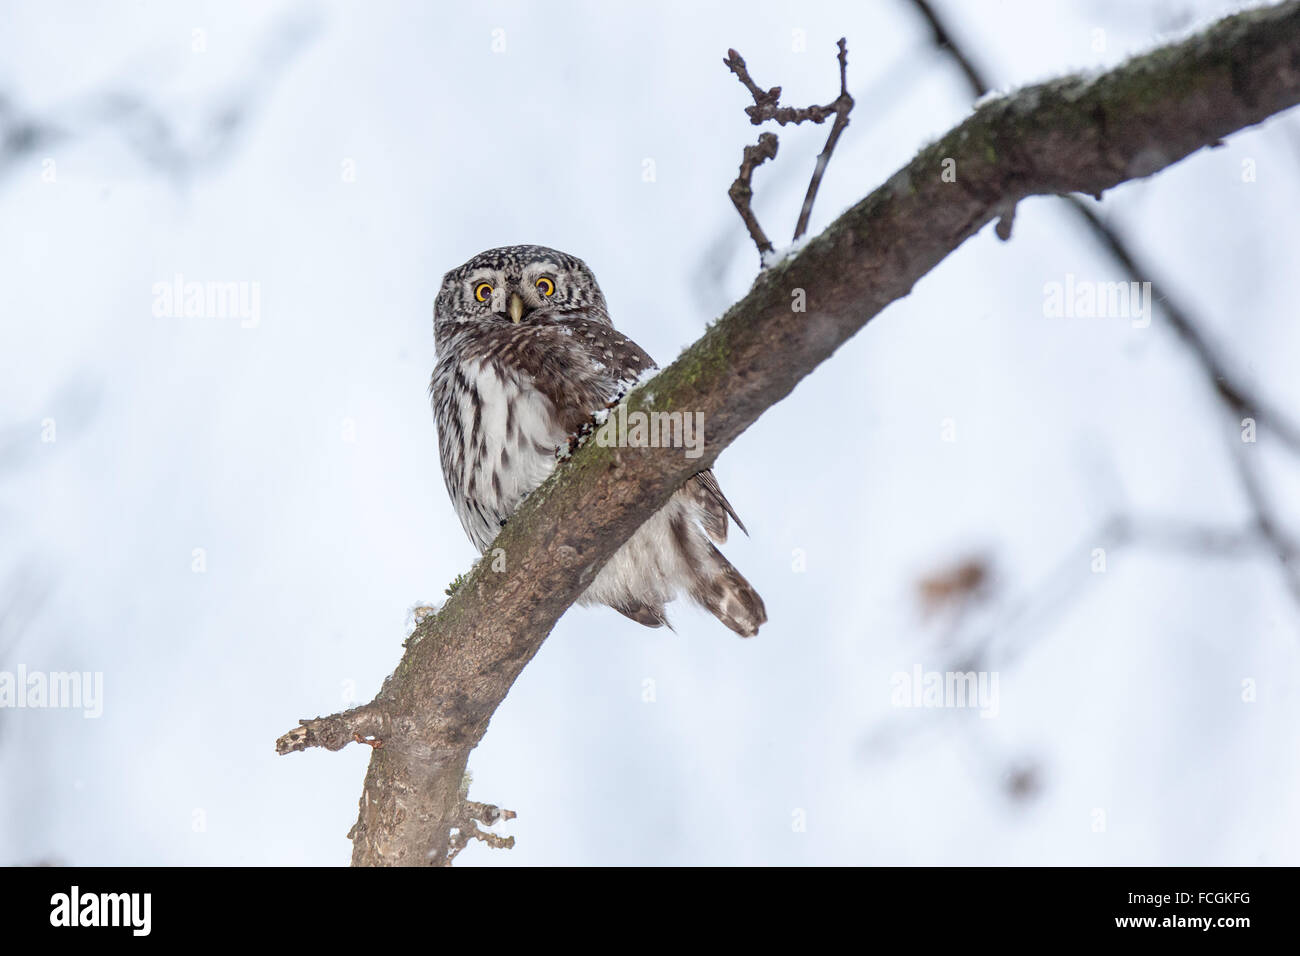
point(511, 450)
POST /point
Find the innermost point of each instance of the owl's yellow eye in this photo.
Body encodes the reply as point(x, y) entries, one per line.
point(545, 285)
point(482, 291)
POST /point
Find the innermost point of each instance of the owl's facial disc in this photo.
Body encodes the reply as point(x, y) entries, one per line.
point(514, 290)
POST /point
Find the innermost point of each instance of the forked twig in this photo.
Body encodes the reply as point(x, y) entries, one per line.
point(767, 106)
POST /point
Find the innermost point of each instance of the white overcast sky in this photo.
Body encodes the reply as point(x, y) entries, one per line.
point(1120, 694)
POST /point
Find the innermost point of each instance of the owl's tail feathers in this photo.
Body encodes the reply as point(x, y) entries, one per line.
point(725, 593)
point(644, 614)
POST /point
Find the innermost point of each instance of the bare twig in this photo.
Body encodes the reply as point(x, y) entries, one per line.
point(742, 191)
point(879, 97)
point(460, 664)
point(468, 815)
point(365, 725)
point(842, 105)
point(764, 102)
point(944, 41)
point(767, 107)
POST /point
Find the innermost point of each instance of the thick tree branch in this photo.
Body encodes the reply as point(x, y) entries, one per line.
point(1072, 134)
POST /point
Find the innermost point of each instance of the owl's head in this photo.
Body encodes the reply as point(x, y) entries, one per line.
point(516, 284)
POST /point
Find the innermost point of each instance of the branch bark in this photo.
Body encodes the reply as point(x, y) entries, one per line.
point(1072, 134)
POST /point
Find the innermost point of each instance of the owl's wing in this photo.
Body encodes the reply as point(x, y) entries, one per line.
point(615, 363)
point(582, 365)
point(714, 506)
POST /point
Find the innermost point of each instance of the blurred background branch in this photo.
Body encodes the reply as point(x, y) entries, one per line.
point(1218, 370)
point(177, 143)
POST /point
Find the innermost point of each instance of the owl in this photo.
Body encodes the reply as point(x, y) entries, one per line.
point(526, 354)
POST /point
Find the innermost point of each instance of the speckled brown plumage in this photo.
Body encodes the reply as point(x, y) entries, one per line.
point(526, 354)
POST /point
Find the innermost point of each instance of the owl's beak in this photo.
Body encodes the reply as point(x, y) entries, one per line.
point(516, 307)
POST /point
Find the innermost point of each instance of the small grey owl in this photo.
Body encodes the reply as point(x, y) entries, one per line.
point(526, 355)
